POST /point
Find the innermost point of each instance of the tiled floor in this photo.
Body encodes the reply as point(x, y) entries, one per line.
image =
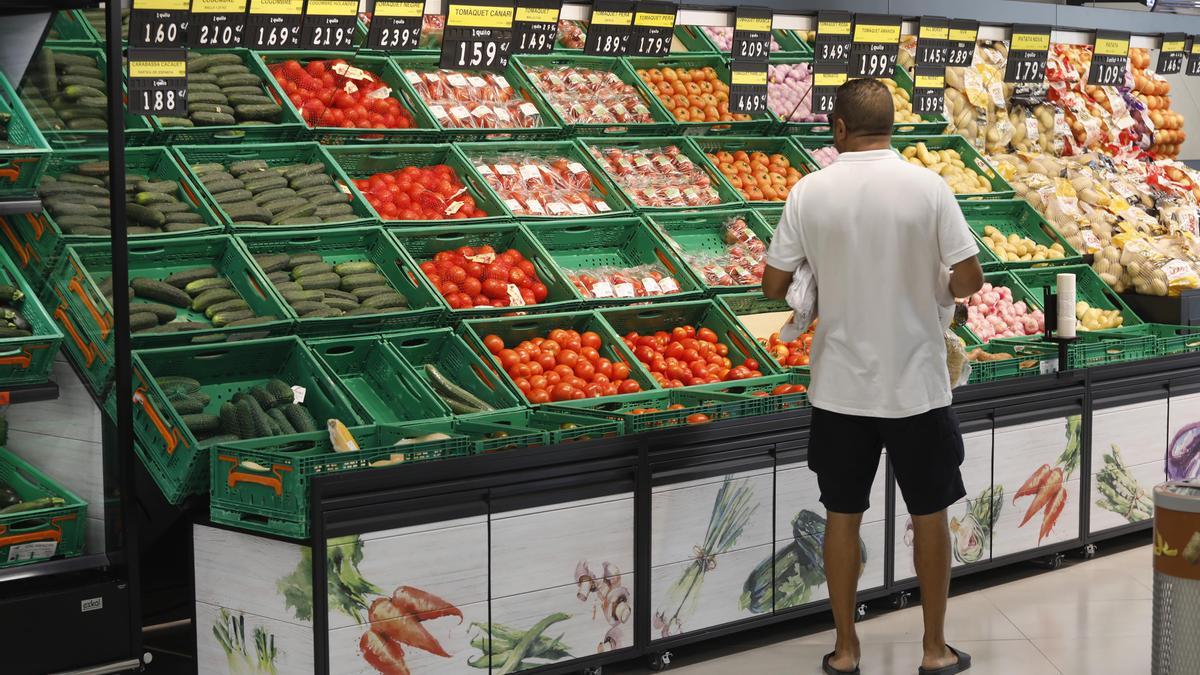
point(1088, 618)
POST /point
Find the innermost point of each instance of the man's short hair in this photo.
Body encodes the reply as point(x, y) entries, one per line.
point(865, 106)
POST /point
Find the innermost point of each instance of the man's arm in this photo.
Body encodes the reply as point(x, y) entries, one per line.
point(966, 277)
point(776, 282)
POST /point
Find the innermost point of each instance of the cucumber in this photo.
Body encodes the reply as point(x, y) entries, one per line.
point(233, 197)
point(353, 281)
point(211, 297)
point(288, 286)
point(194, 288)
point(279, 276)
point(302, 296)
point(326, 312)
point(188, 406)
point(271, 195)
point(265, 183)
point(183, 278)
point(364, 292)
point(319, 281)
point(72, 209)
point(206, 97)
point(231, 305)
point(211, 176)
point(453, 392)
point(194, 108)
point(271, 262)
point(164, 313)
point(256, 98)
point(277, 416)
point(145, 215)
point(308, 269)
point(203, 87)
point(310, 180)
point(268, 112)
point(224, 318)
point(300, 170)
point(141, 320)
point(224, 185)
point(248, 211)
point(349, 268)
point(183, 227)
point(279, 206)
point(65, 59)
point(201, 63)
point(252, 321)
point(328, 198)
point(142, 229)
point(229, 69)
point(316, 190)
point(299, 211)
point(152, 198)
point(341, 303)
point(335, 293)
point(181, 216)
point(169, 187)
point(77, 91)
point(213, 119)
point(82, 221)
point(202, 78)
point(241, 168)
point(239, 79)
point(305, 258)
point(301, 419)
point(152, 289)
point(386, 301)
point(302, 307)
point(245, 90)
point(93, 82)
point(337, 211)
point(201, 424)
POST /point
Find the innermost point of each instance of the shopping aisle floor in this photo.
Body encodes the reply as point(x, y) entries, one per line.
point(1087, 618)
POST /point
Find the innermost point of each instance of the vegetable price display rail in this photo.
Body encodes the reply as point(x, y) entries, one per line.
point(558, 557)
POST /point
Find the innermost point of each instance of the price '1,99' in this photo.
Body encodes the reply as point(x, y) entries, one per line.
point(928, 106)
point(273, 37)
point(475, 55)
point(211, 36)
point(159, 100)
point(875, 65)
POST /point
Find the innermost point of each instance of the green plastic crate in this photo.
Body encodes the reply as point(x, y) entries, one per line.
point(263, 485)
point(69, 28)
point(699, 314)
point(1089, 288)
point(26, 537)
point(811, 143)
point(175, 458)
point(77, 283)
point(497, 432)
point(138, 131)
point(655, 406)
point(1029, 359)
point(1015, 216)
point(699, 236)
point(363, 161)
point(289, 128)
point(1169, 340)
point(622, 244)
point(564, 427)
point(603, 189)
point(383, 388)
point(275, 154)
point(360, 244)
point(762, 391)
point(514, 330)
point(1098, 348)
point(21, 238)
point(664, 121)
point(789, 44)
point(450, 354)
point(970, 157)
point(420, 65)
point(22, 164)
point(598, 146)
point(27, 360)
point(741, 305)
point(1020, 294)
point(425, 131)
point(759, 124)
point(423, 244)
point(795, 155)
point(156, 163)
point(770, 214)
point(96, 19)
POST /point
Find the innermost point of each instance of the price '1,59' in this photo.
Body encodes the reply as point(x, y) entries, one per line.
point(159, 100)
point(535, 41)
point(276, 36)
point(477, 54)
point(390, 38)
point(217, 35)
point(325, 36)
point(162, 33)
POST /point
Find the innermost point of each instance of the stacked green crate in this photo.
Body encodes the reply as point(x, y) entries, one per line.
point(382, 386)
point(775, 393)
point(447, 365)
point(70, 28)
point(757, 124)
point(998, 188)
point(658, 410)
point(762, 318)
point(1014, 217)
point(794, 155)
point(661, 174)
point(23, 150)
point(24, 358)
point(44, 519)
point(1020, 293)
point(703, 239)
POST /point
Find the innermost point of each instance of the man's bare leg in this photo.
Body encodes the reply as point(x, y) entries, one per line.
point(931, 553)
point(843, 562)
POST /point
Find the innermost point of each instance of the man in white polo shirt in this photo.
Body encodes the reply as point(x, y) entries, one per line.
point(880, 235)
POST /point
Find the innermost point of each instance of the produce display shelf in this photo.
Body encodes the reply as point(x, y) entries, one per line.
point(652, 410)
point(655, 190)
point(438, 355)
point(1015, 217)
point(344, 246)
point(700, 239)
point(53, 526)
point(1026, 359)
point(565, 427)
point(796, 157)
point(585, 247)
point(424, 131)
point(1020, 293)
point(1169, 340)
point(776, 393)
point(361, 162)
point(26, 152)
point(1000, 189)
point(758, 124)
point(382, 386)
point(790, 45)
point(664, 121)
point(1089, 288)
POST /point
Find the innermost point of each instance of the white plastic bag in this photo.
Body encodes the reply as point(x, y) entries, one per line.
point(802, 298)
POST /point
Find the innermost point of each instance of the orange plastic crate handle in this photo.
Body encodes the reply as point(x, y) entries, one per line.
point(235, 476)
point(170, 436)
point(89, 355)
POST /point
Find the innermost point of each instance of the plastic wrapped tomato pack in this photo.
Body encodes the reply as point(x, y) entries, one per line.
point(636, 282)
point(473, 100)
point(589, 96)
point(658, 177)
point(742, 263)
point(541, 186)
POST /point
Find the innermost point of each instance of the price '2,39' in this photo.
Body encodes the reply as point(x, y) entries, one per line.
point(394, 38)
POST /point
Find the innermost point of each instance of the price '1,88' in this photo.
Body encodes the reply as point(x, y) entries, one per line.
point(332, 37)
point(217, 35)
point(162, 33)
point(390, 38)
point(480, 54)
point(276, 36)
point(159, 100)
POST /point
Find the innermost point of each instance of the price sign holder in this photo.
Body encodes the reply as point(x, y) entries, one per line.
point(653, 28)
point(158, 82)
point(610, 27)
point(535, 26)
point(396, 25)
point(748, 87)
point(832, 43)
point(1027, 55)
point(929, 90)
point(217, 24)
point(963, 33)
point(478, 34)
point(827, 77)
point(1170, 57)
point(933, 42)
point(751, 34)
point(330, 24)
point(1110, 59)
point(159, 24)
point(1193, 64)
point(876, 45)
point(274, 24)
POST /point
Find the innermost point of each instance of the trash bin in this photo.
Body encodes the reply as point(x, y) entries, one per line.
point(1176, 649)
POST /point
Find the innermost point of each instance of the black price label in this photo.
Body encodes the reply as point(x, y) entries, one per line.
point(1027, 55)
point(396, 25)
point(929, 90)
point(330, 24)
point(1170, 57)
point(217, 23)
point(876, 45)
point(535, 26)
point(751, 34)
point(827, 77)
point(1193, 64)
point(833, 37)
point(610, 27)
point(748, 87)
point(274, 24)
point(933, 42)
point(158, 82)
point(963, 33)
point(653, 29)
point(478, 35)
point(158, 23)
point(1110, 59)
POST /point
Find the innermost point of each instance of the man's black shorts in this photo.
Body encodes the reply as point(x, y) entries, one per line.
point(925, 451)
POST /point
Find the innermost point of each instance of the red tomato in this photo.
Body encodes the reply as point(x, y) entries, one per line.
point(494, 343)
point(707, 335)
point(539, 396)
point(629, 387)
point(698, 418)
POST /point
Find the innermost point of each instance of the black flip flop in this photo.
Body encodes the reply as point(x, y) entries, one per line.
point(964, 662)
point(830, 670)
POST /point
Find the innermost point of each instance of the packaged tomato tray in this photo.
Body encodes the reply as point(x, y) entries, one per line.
point(589, 93)
point(543, 180)
point(459, 99)
point(643, 281)
point(658, 176)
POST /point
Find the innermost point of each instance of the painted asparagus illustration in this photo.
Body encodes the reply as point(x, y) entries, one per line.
point(1120, 492)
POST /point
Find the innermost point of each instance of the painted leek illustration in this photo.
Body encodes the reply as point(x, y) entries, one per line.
point(230, 632)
